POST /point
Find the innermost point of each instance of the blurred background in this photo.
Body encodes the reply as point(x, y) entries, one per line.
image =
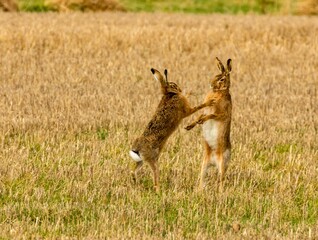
point(279, 7)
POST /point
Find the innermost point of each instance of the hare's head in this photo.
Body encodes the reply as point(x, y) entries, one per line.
point(167, 87)
point(222, 81)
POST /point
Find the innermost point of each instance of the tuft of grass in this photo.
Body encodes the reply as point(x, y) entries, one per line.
point(34, 6)
point(102, 134)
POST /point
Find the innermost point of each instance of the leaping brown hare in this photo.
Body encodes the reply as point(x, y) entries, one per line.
point(216, 122)
point(172, 108)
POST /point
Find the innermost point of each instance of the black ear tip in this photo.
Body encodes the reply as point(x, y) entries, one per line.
point(166, 71)
point(153, 71)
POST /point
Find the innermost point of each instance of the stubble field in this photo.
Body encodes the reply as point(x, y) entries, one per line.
point(76, 89)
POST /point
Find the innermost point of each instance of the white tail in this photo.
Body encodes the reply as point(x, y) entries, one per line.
point(135, 156)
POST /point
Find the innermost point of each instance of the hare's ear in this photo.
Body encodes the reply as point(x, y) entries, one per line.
point(166, 75)
point(158, 76)
point(220, 65)
point(229, 65)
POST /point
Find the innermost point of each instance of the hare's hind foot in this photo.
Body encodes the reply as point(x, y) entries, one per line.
point(135, 170)
point(155, 171)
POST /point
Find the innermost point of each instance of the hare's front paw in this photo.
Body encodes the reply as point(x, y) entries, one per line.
point(211, 102)
point(189, 127)
point(200, 121)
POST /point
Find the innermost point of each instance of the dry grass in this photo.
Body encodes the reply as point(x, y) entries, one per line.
point(76, 89)
point(84, 5)
point(9, 6)
point(307, 7)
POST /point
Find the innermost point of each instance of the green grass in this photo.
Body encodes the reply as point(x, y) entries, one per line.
point(58, 195)
point(188, 6)
point(203, 6)
point(33, 6)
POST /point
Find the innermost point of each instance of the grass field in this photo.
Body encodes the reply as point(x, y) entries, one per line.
point(76, 89)
point(188, 6)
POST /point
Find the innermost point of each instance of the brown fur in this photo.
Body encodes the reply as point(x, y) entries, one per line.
point(216, 122)
point(172, 108)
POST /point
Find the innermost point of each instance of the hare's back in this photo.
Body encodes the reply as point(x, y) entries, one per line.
point(166, 118)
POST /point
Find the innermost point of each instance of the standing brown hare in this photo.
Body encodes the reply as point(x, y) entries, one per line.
point(216, 122)
point(172, 108)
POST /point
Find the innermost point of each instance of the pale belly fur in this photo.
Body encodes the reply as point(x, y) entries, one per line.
point(210, 132)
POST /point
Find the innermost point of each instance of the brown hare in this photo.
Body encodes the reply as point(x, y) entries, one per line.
point(216, 122)
point(172, 108)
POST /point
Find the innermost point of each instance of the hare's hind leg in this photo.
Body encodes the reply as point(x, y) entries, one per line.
point(223, 159)
point(206, 164)
point(151, 156)
point(226, 156)
point(136, 169)
point(155, 169)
